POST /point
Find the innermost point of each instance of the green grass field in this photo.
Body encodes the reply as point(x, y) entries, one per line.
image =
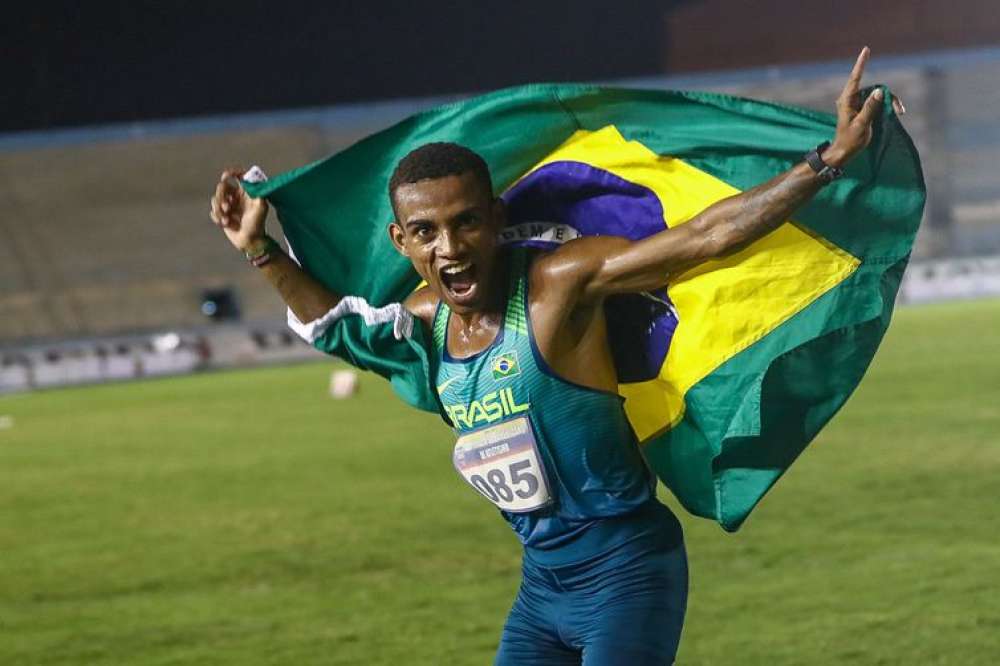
point(246, 518)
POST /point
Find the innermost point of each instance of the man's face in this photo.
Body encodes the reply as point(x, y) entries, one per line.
point(448, 227)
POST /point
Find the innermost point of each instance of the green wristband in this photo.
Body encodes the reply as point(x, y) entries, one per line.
point(268, 246)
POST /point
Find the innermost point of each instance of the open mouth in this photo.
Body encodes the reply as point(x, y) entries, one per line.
point(459, 280)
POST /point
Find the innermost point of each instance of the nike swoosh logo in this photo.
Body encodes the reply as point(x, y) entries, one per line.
point(446, 384)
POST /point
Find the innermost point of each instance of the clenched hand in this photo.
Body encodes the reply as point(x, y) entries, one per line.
point(239, 215)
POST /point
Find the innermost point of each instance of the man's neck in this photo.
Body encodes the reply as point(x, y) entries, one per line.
point(474, 323)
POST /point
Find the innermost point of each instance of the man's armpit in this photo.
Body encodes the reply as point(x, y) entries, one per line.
point(422, 304)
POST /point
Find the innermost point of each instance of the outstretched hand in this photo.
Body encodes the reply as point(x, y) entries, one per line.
point(239, 215)
point(854, 117)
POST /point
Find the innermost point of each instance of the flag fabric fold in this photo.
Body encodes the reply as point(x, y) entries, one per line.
point(733, 367)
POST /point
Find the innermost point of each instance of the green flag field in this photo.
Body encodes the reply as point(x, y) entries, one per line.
point(247, 518)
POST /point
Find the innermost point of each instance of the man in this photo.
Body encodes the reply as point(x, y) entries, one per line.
point(524, 373)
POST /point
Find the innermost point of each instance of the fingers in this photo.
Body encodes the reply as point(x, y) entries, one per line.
point(230, 202)
point(213, 212)
point(219, 217)
point(230, 181)
point(898, 106)
point(226, 208)
point(854, 80)
point(871, 108)
point(232, 173)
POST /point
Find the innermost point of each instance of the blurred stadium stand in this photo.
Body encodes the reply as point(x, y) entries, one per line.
point(113, 236)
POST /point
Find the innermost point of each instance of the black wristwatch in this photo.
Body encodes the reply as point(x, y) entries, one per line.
point(826, 173)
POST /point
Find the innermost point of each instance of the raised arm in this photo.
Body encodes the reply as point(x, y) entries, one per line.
point(601, 266)
point(243, 218)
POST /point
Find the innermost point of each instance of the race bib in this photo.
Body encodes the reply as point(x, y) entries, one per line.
point(502, 463)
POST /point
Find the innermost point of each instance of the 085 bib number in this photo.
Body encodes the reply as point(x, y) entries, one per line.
point(502, 463)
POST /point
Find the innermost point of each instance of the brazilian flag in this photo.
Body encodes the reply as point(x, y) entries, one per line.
point(728, 371)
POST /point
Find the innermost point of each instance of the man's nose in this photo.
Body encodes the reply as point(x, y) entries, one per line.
point(450, 243)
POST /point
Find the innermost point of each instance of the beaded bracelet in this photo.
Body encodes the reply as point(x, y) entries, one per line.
point(264, 254)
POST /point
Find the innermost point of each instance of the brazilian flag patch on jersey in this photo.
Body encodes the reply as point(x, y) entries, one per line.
point(505, 365)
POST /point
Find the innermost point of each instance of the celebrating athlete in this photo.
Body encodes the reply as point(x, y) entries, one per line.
point(520, 344)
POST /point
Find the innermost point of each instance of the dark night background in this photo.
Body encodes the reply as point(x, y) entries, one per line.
point(72, 63)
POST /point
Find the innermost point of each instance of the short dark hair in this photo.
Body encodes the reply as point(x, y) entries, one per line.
point(437, 160)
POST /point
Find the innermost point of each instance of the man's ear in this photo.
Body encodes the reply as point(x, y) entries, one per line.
point(397, 237)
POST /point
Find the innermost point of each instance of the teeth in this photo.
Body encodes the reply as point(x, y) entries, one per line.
point(457, 268)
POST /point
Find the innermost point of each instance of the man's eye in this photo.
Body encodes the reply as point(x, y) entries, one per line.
point(422, 232)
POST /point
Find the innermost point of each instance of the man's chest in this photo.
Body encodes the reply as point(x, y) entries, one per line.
point(574, 342)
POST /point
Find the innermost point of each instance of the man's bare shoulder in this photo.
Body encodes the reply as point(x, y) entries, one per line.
point(422, 304)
